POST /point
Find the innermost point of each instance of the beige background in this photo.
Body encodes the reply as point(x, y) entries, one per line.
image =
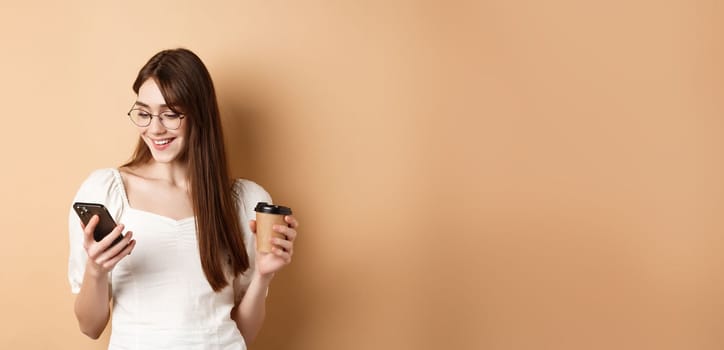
point(492, 175)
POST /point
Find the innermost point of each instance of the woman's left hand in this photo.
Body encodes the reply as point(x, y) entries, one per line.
point(282, 248)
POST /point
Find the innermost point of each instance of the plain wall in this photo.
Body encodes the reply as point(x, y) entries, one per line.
point(492, 175)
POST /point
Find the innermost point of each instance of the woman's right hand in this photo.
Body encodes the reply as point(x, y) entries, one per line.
point(101, 258)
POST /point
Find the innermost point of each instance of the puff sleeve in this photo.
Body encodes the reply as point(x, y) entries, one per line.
point(103, 186)
point(247, 193)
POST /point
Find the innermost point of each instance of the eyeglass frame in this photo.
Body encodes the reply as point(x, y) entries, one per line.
point(181, 116)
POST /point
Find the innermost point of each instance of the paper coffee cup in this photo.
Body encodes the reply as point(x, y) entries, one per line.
point(267, 215)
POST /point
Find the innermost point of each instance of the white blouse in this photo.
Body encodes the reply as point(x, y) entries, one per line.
point(161, 298)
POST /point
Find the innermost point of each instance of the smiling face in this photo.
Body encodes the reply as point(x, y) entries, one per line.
point(166, 145)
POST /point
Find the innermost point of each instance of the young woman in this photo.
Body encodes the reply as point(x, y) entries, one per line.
point(194, 279)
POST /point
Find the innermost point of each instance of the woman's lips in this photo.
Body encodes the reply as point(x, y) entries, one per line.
point(162, 144)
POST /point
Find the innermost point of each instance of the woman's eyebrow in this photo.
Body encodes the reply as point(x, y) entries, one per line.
point(139, 103)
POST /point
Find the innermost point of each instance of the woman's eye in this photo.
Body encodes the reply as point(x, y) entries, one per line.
point(144, 114)
point(170, 115)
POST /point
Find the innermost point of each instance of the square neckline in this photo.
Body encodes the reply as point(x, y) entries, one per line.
point(127, 204)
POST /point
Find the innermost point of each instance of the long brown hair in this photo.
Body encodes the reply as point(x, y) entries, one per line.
point(187, 88)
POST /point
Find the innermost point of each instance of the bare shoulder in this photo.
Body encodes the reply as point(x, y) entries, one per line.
point(139, 175)
point(135, 178)
point(130, 172)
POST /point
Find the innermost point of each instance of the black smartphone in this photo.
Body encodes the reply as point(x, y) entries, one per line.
point(106, 224)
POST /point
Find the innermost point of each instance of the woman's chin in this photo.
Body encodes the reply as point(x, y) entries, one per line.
point(164, 157)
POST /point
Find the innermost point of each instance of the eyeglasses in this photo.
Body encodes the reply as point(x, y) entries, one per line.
point(169, 120)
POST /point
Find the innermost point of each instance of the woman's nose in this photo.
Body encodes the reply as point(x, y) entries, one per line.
point(156, 127)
